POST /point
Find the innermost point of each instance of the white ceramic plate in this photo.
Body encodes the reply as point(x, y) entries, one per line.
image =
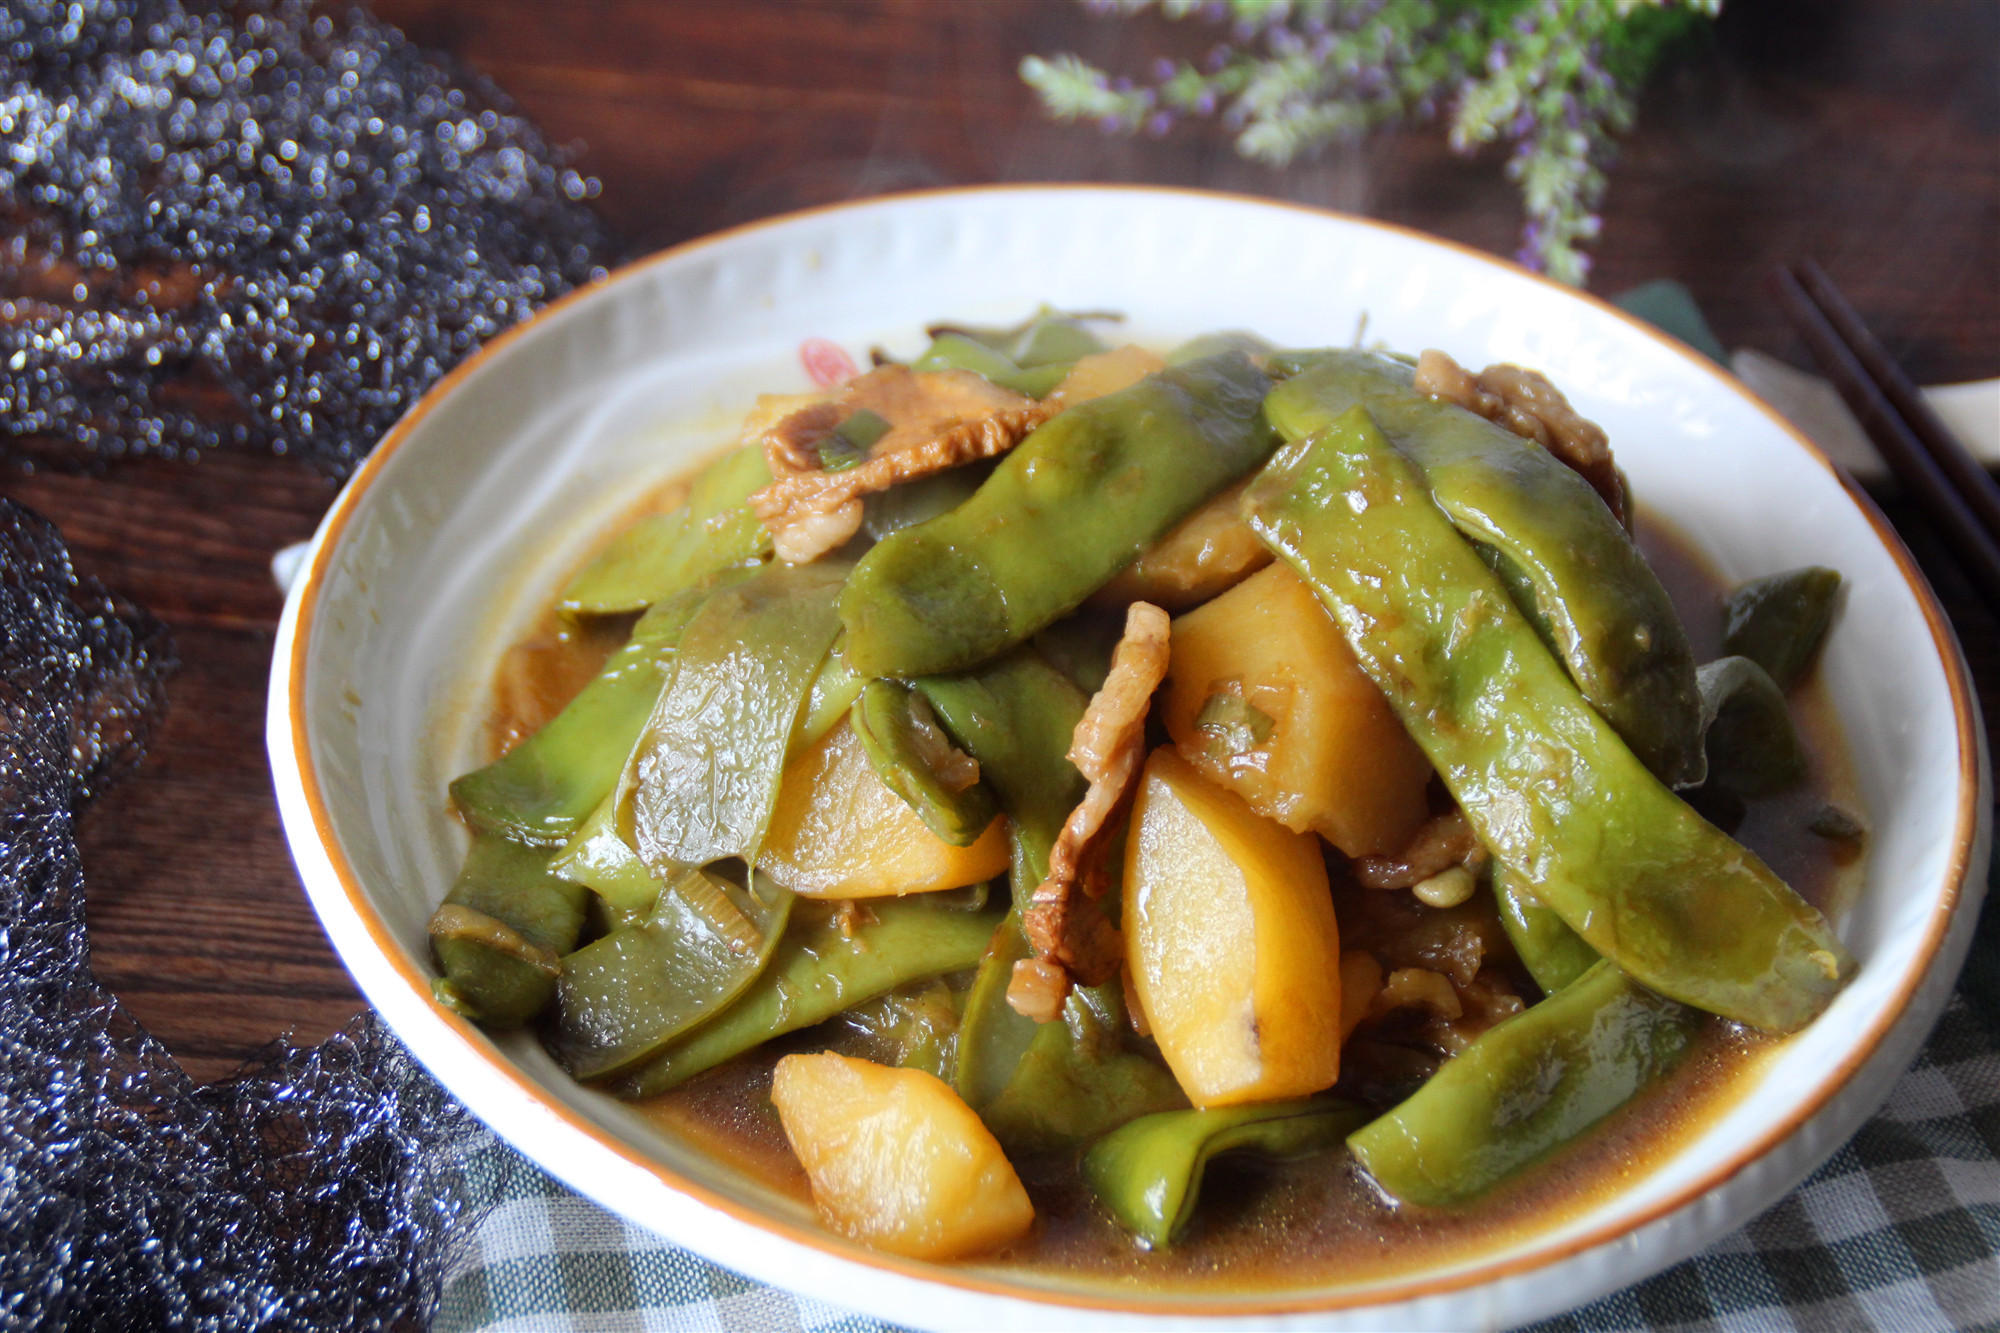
point(467, 515)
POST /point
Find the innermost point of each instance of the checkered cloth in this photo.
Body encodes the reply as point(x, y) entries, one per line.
point(1898, 1232)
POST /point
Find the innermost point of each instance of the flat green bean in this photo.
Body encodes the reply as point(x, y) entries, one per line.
point(1554, 954)
point(1547, 785)
point(1609, 618)
point(661, 556)
point(1779, 621)
point(1077, 1079)
point(1753, 748)
point(900, 735)
point(1525, 1088)
point(1074, 503)
point(817, 972)
point(543, 789)
point(704, 774)
point(1148, 1172)
point(504, 978)
point(623, 997)
point(1017, 716)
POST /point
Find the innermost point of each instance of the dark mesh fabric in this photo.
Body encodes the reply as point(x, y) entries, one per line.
point(315, 1190)
point(254, 222)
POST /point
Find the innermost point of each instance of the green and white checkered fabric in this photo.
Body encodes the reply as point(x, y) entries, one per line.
point(1898, 1233)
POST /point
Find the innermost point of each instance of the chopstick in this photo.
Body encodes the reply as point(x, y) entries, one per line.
point(1937, 470)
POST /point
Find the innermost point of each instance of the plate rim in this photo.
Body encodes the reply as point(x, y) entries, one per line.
point(297, 777)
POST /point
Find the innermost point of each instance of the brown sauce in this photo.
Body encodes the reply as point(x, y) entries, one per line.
point(1318, 1222)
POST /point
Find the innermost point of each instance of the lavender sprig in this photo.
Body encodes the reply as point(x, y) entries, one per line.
point(1555, 79)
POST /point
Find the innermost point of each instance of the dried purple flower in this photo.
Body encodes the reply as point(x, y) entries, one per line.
point(1535, 75)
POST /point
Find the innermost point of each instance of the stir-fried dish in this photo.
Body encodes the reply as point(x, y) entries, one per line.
point(1027, 774)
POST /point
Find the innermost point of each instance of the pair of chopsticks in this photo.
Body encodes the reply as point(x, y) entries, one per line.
point(1937, 470)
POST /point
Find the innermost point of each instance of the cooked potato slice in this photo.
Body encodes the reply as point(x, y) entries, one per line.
point(839, 832)
point(1264, 697)
point(1100, 373)
point(1207, 553)
point(1231, 942)
point(896, 1159)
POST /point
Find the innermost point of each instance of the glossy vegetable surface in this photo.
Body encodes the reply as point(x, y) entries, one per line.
point(1333, 757)
point(1778, 622)
point(1526, 1087)
point(506, 977)
point(599, 858)
point(1071, 505)
point(1232, 946)
point(1079, 1077)
point(660, 557)
point(992, 1037)
point(626, 995)
point(1610, 619)
point(1753, 749)
point(1016, 716)
point(839, 832)
point(913, 757)
point(545, 787)
point(705, 772)
point(817, 971)
point(896, 1160)
point(1148, 1173)
point(1549, 788)
point(1554, 954)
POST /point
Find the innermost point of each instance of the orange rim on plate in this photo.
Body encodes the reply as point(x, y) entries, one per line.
point(417, 976)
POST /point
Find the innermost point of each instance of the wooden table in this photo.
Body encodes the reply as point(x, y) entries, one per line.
point(1864, 133)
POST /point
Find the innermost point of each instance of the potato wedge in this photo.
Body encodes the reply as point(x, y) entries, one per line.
point(1231, 943)
point(896, 1159)
point(1265, 698)
point(1206, 554)
point(1100, 373)
point(839, 832)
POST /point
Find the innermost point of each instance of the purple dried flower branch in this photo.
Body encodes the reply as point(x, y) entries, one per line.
point(1536, 77)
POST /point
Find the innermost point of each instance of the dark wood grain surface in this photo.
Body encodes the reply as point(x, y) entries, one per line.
point(1864, 133)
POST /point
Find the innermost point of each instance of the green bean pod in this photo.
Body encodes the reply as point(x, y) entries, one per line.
point(1039, 1086)
point(1554, 954)
point(1074, 503)
point(703, 778)
point(1017, 717)
point(1213, 344)
point(1778, 622)
point(1548, 786)
point(835, 687)
point(920, 500)
point(1610, 619)
point(900, 735)
point(1078, 1079)
point(819, 971)
point(543, 789)
point(598, 857)
point(1148, 1172)
point(504, 977)
point(911, 1027)
point(1525, 1088)
point(956, 351)
point(992, 1038)
point(623, 997)
point(1753, 748)
point(666, 554)
point(1049, 337)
